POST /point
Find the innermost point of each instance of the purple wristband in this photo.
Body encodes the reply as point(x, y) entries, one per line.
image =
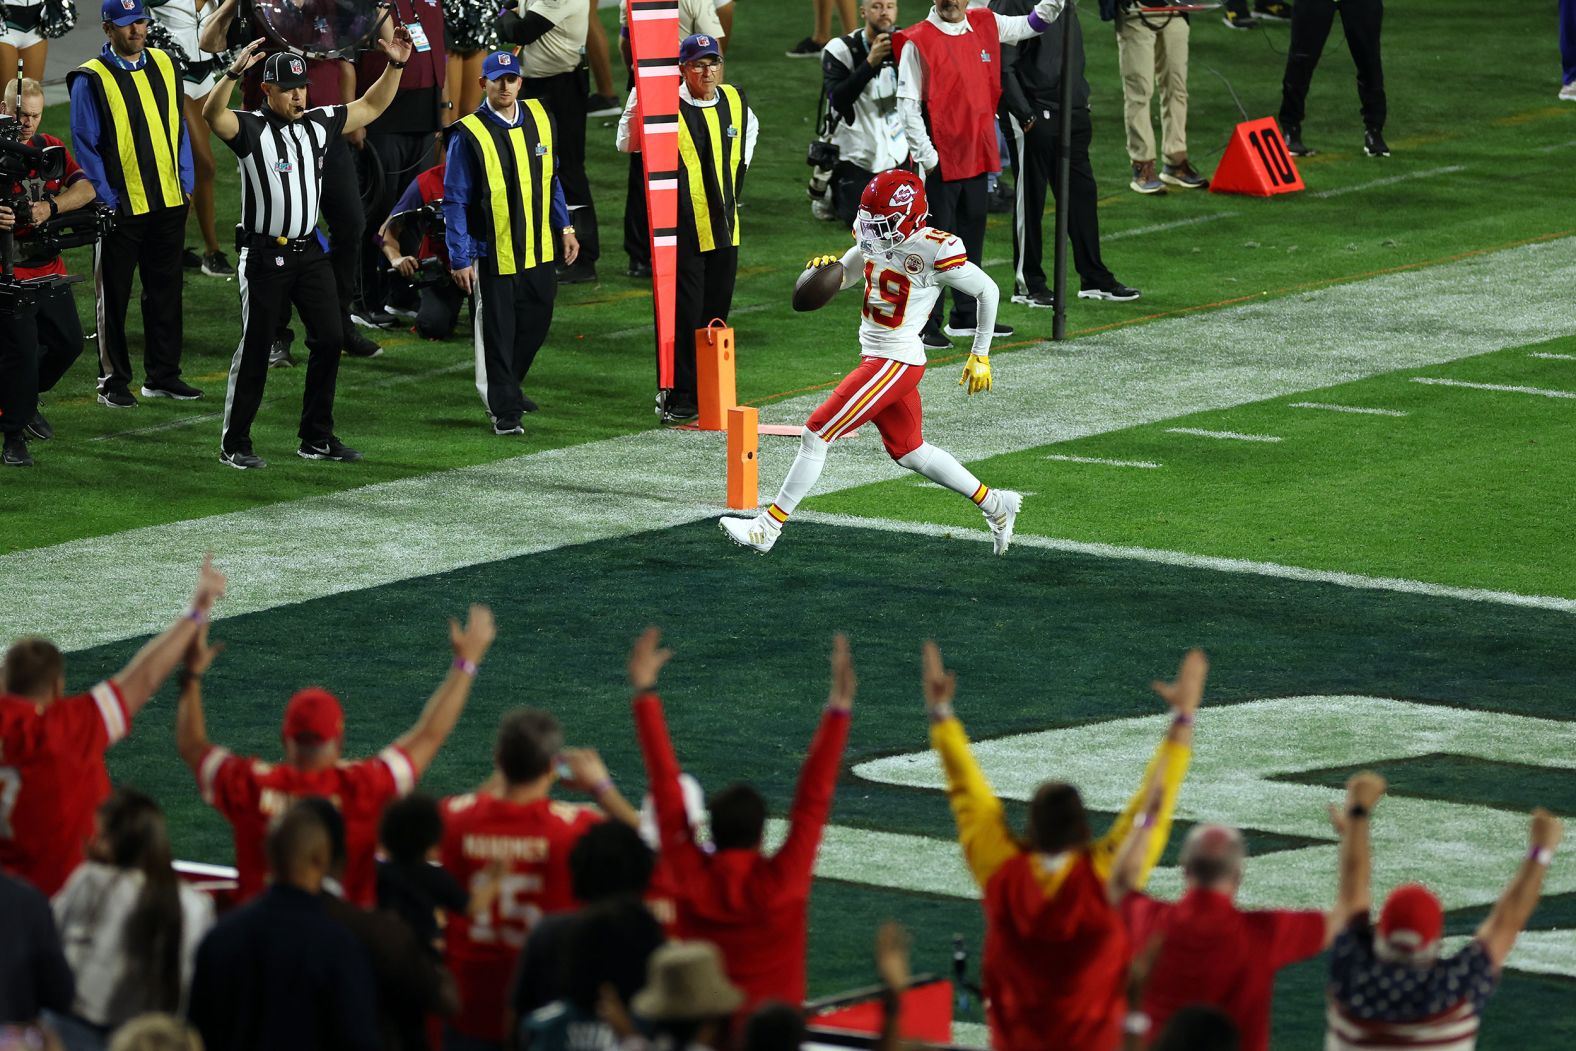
point(600, 787)
point(1542, 855)
point(1036, 23)
point(196, 616)
point(1181, 719)
point(466, 666)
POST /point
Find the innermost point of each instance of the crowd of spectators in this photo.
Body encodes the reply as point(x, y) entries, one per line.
point(366, 915)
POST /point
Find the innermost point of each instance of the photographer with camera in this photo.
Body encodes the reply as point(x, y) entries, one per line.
point(417, 219)
point(36, 364)
point(859, 76)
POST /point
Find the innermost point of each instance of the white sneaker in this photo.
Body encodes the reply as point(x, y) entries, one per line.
point(1568, 92)
point(1002, 521)
point(758, 533)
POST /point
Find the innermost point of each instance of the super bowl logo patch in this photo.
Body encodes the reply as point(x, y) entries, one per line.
point(283, 167)
point(541, 149)
point(984, 55)
point(732, 132)
point(913, 264)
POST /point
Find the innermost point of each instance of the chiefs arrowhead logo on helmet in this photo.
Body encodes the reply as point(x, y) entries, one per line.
point(891, 210)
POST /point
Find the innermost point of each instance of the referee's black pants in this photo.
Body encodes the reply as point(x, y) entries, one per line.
point(270, 282)
point(565, 95)
point(958, 206)
point(1311, 21)
point(150, 245)
point(35, 352)
point(1034, 157)
point(512, 315)
point(704, 291)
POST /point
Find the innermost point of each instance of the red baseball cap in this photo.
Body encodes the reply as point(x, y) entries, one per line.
point(313, 714)
point(1411, 921)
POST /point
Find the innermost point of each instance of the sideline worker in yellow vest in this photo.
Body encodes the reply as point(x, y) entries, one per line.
point(716, 142)
point(503, 211)
point(130, 139)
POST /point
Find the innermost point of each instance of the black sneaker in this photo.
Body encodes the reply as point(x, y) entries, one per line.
point(16, 454)
point(1115, 292)
point(242, 460)
point(578, 274)
point(359, 346)
point(603, 106)
point(1042, 299)
point(958, 331)
point(279, 355)
point(1294, 144)
point(38, 428)
point(1237, 15)
point(679, 413)
point(527, 405)
point(508, 427)
point(1002, 199)
point(117, 399)
point(638, 269)
point(331, 449)
point(175, 389)
point(366, 317)
point(214, 264)
point(190, 260)
point(806, 48)
point(1272, 11)
point(1374, 144)
point(932, 337)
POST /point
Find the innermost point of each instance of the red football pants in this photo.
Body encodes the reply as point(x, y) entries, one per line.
point(882, 391)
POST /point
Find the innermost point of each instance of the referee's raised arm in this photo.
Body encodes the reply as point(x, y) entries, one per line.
point(216, 107)
point(376, 99)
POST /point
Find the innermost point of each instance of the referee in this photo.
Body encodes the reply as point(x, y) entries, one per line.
point(281, 146)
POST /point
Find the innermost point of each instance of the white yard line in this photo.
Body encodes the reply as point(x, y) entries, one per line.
point(107, 588)
point(1361, 410)
point(1428, 173)
point(1234, 436)
point(1160, 228)
point(1150, 464)
point(1191, 561)
point(1546, 356)
point(1505, 388)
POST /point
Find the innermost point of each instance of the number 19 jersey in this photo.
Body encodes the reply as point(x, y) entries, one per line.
point(901, 286)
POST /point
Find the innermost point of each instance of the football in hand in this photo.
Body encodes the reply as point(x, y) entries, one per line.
point(817, 285)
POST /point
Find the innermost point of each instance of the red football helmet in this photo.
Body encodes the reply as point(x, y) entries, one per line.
point(891, 210)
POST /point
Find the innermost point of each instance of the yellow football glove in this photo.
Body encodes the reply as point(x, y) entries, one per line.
point(821, 260)
point(976, 374)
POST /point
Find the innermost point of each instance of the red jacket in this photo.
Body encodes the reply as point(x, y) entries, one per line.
point(965, 72)
point(750, 905)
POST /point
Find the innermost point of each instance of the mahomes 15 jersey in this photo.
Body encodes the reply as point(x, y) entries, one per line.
point(901, 286)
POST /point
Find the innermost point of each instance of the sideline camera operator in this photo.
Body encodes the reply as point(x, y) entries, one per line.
point(38, 350)
point(417, 221)
point(859, 77)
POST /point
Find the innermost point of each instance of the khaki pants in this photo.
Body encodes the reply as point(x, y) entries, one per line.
point(1148, 54)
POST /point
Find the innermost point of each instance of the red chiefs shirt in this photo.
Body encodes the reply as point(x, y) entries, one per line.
point(251, 793)
point(52, 188)
point(1055, 964)
point(52, 779)
point(962, 89)
point(1213, 953)
point(752, 906)
point(532, 841)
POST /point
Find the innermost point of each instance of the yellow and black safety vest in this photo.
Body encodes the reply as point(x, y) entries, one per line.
point(140, 128)
point(512, 204)
point(711, 159)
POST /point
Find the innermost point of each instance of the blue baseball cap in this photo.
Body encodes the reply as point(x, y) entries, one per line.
point(698, 46)
point(123, 12)
point(501, 64)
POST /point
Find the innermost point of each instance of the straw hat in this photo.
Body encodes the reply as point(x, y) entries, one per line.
point(685, 982)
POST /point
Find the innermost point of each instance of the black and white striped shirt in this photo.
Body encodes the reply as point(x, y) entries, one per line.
point(282, 168)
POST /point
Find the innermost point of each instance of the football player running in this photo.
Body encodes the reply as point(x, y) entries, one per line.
point(903, 265)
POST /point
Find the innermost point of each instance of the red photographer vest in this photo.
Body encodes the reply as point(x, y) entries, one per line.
point(963, 74)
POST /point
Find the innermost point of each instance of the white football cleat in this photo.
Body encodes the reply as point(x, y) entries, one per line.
point(1002, 521)
point(758, 533)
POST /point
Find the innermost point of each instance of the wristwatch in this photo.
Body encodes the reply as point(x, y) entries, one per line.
point(568, 230)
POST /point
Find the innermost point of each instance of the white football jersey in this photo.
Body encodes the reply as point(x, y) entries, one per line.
point(901, 286)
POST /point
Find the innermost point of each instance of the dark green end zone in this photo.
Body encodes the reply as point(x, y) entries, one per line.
point(1038, 640)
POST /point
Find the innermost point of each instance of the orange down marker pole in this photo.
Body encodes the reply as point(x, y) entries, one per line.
point(744, 490)
point(714, 374)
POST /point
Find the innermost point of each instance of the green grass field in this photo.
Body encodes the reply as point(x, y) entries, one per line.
point(1371, 537)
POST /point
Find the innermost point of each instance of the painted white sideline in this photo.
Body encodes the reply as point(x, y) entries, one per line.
point(1546, 356)
point(1362, 410)
point(1150, 464)
point(1234, 436)
point(102, 589)
point(1427, 173)
point(1192, 561)
point(1507, 388)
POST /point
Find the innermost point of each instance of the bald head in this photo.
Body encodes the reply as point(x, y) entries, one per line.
point(300, 850)
point(1212, 857)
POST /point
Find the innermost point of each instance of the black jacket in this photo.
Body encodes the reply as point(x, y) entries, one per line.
point(33, 969)
point(842, 85)
point(1031, 72)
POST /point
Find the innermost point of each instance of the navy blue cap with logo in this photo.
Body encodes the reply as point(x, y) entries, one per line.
point(698, 46)
point(123, 12)
point(501, 64)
